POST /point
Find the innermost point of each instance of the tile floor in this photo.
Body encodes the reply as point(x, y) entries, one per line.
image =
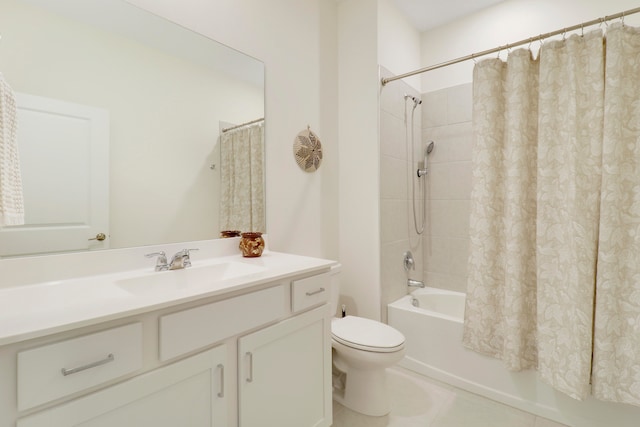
point(418, 401)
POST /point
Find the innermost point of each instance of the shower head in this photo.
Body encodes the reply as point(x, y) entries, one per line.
point(424, 170)
point(416, 101)
point(430, 147)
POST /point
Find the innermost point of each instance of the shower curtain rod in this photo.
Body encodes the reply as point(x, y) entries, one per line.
point(541, 37)
point(243, 124)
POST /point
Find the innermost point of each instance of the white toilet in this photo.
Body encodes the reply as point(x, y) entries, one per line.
point(362, 350)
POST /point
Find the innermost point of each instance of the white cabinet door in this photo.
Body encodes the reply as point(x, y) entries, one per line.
point(285, 373)
point(189, 393)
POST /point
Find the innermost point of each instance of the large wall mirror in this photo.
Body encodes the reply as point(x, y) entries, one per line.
point(122, 119)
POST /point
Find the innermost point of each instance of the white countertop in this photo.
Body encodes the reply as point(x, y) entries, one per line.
point(34, 310)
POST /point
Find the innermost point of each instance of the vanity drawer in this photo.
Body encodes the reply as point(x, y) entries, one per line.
point(56, 370)
point(310, 292)
point(198, 327)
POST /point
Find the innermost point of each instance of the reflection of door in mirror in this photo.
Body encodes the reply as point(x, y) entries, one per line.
point(64, 149)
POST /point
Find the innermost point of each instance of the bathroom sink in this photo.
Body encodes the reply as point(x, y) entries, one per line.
point(186, 279)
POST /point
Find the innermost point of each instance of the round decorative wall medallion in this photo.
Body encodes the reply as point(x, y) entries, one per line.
point(307, 150)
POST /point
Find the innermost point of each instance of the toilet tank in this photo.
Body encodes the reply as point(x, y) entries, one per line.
point(335, 288)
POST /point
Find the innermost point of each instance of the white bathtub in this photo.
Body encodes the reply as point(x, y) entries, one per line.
point(439, 303)
point(433, 332)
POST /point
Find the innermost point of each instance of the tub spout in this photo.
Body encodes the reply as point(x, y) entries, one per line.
point(415, 283)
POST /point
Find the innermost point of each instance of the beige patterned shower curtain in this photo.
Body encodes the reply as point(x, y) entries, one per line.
point(616, 353)
point(555, 198)
point(242, 179)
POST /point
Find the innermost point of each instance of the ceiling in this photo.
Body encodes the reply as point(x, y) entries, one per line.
point(427, 14)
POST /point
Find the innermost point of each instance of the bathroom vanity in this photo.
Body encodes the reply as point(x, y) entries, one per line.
point(101, 339)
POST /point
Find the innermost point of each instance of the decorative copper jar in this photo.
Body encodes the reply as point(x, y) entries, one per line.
point(251, 244)
point(230, 233)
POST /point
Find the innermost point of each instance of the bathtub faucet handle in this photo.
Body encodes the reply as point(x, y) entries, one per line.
point(409, 263)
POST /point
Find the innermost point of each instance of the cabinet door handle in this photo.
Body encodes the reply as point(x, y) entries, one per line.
point(221, 392)
point(314, 292)
point(109, 358)
point(250, 371)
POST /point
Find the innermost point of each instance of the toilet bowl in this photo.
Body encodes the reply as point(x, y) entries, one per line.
point(362, 350)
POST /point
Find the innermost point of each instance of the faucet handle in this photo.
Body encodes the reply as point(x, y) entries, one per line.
point(161, 263)
point(181, 259)
point(187, 259)
point(409, 263)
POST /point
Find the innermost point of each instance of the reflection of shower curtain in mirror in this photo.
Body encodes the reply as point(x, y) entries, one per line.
point(242, 179)
point(11, 196)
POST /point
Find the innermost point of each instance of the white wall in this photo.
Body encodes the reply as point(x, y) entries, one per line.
point(398, 43)
point(370, 34)
point(504, 23)
point(297, 42)
point(359, 158)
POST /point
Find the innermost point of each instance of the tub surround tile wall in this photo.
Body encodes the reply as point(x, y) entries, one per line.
point(442, 251)
point(397, 234)
point(446, 119)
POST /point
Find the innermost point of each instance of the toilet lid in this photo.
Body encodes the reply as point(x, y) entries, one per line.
point(366, 334)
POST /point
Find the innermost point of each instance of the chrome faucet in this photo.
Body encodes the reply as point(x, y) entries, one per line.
point(409, 264)
point(181, 259)
point(415, 283)
point(161, 263)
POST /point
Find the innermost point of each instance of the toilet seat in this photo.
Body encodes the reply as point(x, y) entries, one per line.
point(366, 334)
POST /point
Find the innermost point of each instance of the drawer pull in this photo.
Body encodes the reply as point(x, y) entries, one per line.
point(314, 292)
point(221, 392)
point(250, 371)
point(109, 358)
